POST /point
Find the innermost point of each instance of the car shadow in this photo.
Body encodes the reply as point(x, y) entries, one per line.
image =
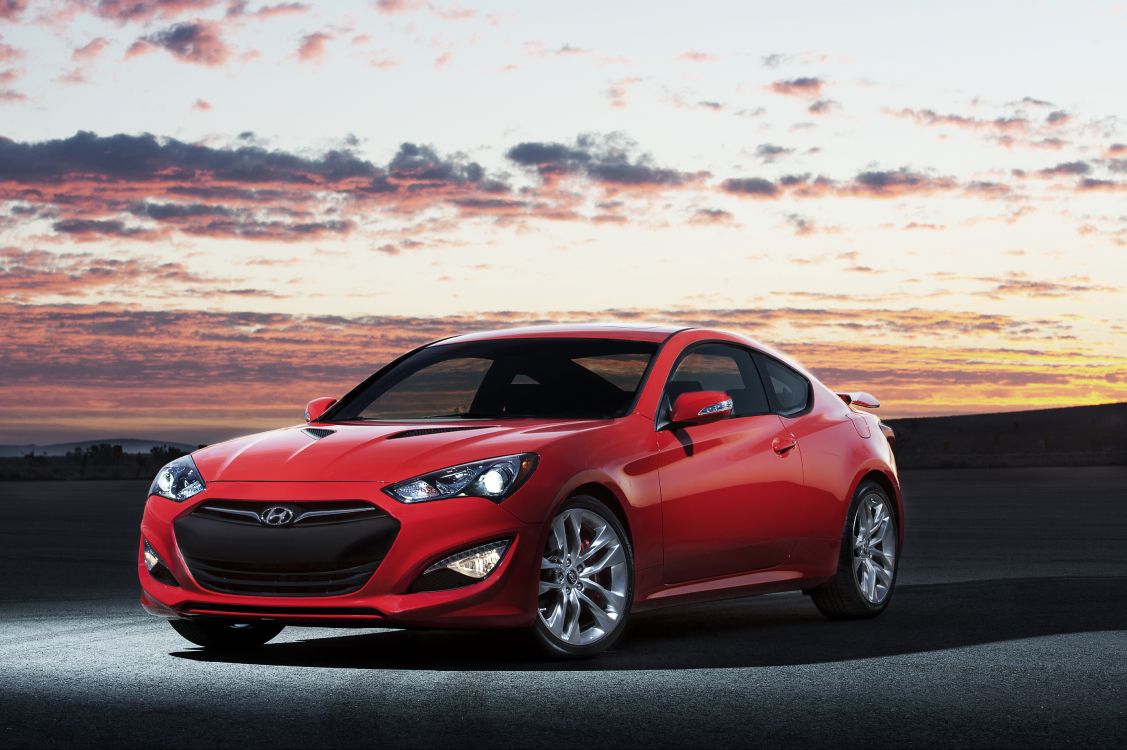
point(754, 632)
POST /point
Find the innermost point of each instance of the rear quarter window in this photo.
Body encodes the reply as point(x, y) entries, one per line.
point(791, 391)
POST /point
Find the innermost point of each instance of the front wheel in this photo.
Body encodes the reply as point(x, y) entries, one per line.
point(223, 636)
point(586, 581)
point(866, 573)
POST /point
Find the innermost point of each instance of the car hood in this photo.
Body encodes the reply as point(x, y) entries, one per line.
point(381, 452)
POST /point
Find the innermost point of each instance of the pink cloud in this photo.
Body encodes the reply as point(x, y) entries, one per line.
point(805, 86)
point(199, 42)
point(312, 47)
point(91, 50)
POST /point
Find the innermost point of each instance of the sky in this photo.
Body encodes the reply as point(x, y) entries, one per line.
point(212, 211)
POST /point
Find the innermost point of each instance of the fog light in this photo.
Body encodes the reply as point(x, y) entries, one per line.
point(156, 566)
point(462, 568)
point(152, 559)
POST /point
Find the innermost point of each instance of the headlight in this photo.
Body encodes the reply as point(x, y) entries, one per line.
point(178, 480)
point(493, 478)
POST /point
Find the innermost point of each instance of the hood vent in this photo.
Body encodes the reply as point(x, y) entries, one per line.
point(435, 430)
point(317, 432)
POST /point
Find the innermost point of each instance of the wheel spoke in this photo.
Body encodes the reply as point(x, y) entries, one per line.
point(574, 523)
point(546, 586)
point(868, 581)
point(559, 535)
point(571, 625)
point(613, 599)
point(883, 575)
point(603, 620)
point(603, 537)
point(614, 556)
point(554, 621)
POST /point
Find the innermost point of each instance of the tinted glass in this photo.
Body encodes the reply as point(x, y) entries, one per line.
point(446, 387)
point(718, 367)
point(792, 391)
point(507, 378)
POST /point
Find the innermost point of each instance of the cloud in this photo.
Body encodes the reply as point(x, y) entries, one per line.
point(756, 187)
point(932, 118)
point(769, 152)
point(248, 191)
point(238, 9)
point(91, 50)
point(142, 11)
point(803, 226)
point(607, 160)
point(395, 7)
point(1019, 284)
point(8, 53)
point(10, 10)
point(903, 181)
point(868, 184)
point(38, 274)
point(804, 86)
point(1057, 118)
point(822, 107)
point(91, 229)
point(312, 46)
point(104, 367)
point(198, 42)
point(697, 56)
point(201, 105)
point(10, 75)
point(619, 89)
point(1066, 168)
point(711, 216)
point(11, 96)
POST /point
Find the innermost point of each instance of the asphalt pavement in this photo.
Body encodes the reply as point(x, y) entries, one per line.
point(1006, 630)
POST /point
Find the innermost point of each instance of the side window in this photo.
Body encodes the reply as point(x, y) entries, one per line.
point(791, 390)
point(719, 367)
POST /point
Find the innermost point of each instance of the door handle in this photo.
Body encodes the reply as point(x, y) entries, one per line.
point(784, 445)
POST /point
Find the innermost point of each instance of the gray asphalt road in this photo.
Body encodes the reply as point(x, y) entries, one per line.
point(1007, 631)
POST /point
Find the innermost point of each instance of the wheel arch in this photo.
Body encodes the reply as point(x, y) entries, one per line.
point(889, 484)
point(607, 497)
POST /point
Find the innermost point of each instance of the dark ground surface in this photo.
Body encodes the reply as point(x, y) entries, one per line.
point(1007, 630)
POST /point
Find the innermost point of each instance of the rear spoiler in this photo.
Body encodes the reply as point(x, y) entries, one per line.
point(860, 398)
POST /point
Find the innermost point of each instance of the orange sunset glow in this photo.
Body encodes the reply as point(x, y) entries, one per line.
point(213, 211)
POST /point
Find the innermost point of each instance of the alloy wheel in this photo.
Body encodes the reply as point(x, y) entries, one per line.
point(874, 548)
point(584, 578)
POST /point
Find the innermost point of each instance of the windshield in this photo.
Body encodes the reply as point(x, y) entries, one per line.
point(506, 378)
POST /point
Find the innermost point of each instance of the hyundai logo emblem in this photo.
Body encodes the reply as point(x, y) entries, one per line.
point(276, 515)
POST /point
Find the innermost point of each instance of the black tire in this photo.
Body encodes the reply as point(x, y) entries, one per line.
point(554, 646)
point(842, 598)
point(225, 636)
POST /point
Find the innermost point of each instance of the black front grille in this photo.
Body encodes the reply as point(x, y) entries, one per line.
point(328, 549)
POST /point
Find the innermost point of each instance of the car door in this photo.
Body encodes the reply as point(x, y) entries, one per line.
point(730, 490)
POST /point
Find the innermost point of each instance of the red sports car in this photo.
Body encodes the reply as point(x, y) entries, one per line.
point(550, 478)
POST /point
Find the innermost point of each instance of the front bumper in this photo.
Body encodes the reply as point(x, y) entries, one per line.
point(427, 532)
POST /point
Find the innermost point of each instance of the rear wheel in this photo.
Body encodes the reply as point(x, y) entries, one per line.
point(586, 581)
point(223, 636)
point(866, 574)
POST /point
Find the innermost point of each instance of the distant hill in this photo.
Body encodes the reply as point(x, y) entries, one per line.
point(1072, 436)
point(128, 445)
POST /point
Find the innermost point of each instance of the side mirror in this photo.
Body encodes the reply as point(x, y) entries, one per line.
point(701, 407)
point(318, 406)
